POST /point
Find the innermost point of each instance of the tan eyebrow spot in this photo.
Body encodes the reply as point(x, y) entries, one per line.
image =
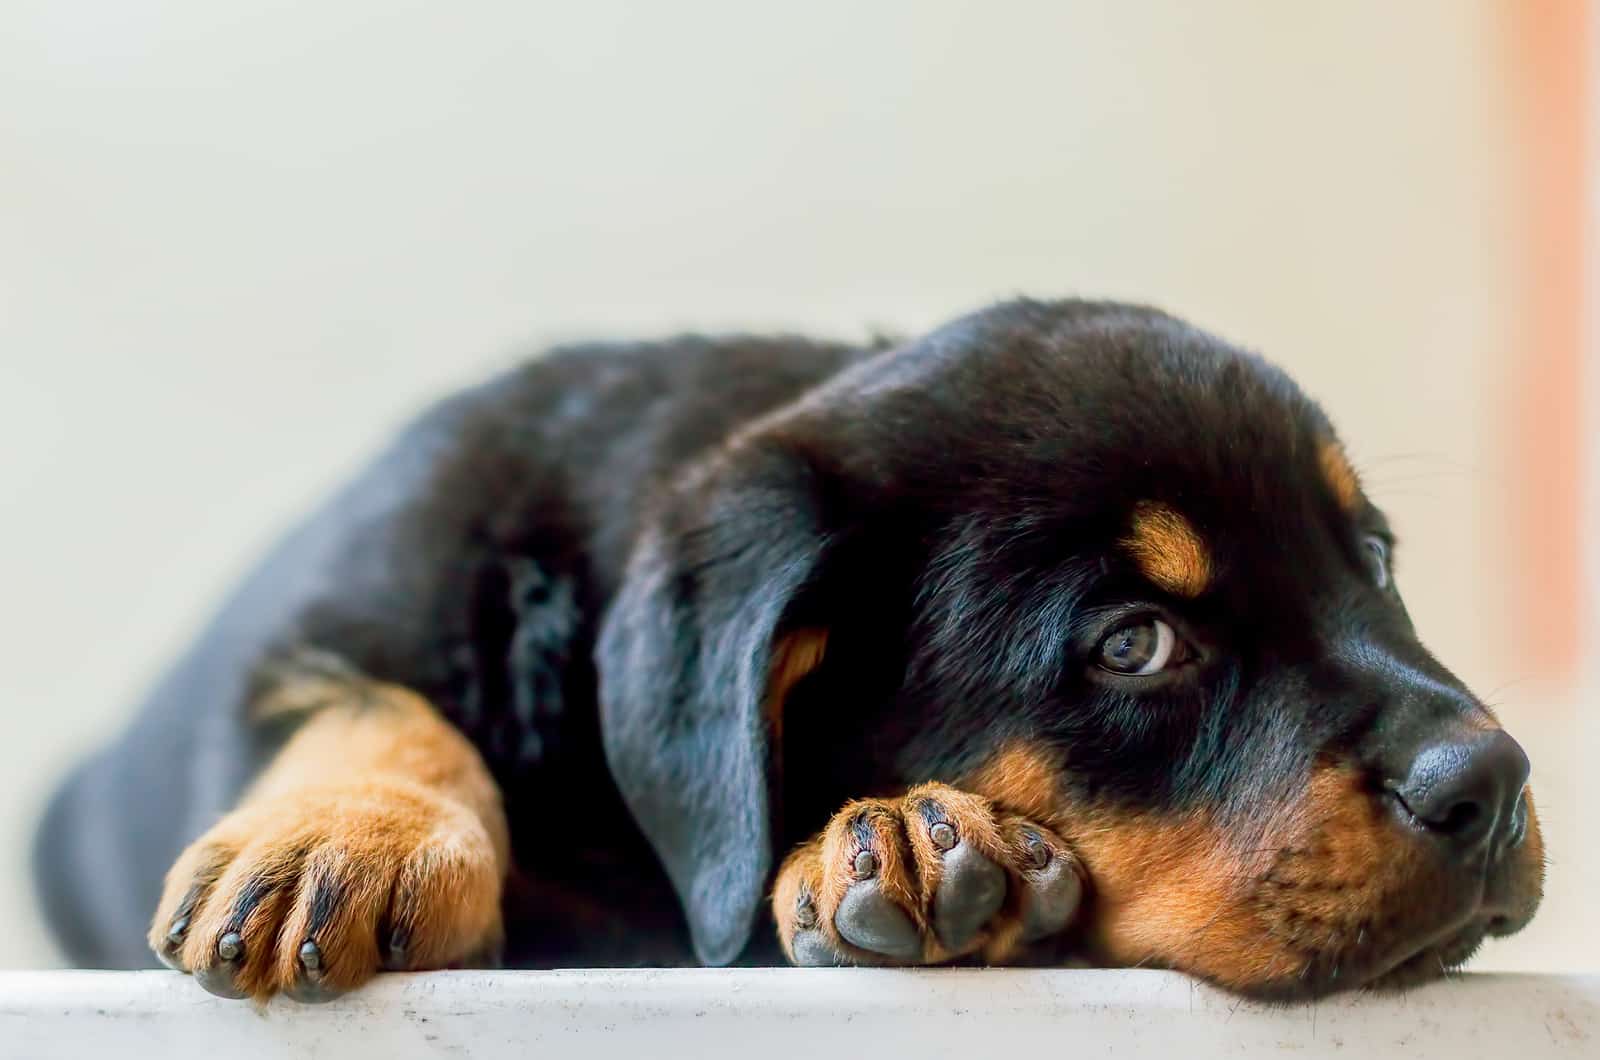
point(1168, 550)
point(1340, 476)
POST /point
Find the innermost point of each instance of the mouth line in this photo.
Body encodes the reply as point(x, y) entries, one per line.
point(1397, 968)
point(1435, 960)
point(1399, 963)
point(1446, 952)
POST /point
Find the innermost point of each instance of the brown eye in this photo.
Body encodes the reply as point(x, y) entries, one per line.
point(1147, 646)
point(1377, 554)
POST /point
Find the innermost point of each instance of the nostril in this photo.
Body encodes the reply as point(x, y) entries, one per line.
point(1461, 818)
point(1466, 790)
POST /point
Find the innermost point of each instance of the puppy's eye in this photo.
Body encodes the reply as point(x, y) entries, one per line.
point(1147, 646)
point(1376, 550)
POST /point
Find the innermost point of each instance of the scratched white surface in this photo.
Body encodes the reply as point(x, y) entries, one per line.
point(770, 1014)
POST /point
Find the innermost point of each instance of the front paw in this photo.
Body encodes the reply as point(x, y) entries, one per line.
point(313, 891)
point(930, 877)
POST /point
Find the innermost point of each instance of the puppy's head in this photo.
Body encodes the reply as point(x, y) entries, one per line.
point(1112, 573)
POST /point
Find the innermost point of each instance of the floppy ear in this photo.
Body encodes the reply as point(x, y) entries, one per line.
point(694, 658)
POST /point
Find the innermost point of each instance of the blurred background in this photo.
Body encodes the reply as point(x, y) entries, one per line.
point(240, 243)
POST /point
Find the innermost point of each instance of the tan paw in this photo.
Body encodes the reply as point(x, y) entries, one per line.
point(929, 877)
point(310, 892)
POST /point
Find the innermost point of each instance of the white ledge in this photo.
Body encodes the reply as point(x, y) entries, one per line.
point(766, 1014)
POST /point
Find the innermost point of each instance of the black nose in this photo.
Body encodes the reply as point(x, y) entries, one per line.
point(1468, 791)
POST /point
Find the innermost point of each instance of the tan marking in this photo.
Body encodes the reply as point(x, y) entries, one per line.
point(795, 654)
point(1340, 476)
point(1023, 778)
point(376, 794)
point(1158, 884)
point(1169, 893)
point(1168, 550)
point(1332, 879)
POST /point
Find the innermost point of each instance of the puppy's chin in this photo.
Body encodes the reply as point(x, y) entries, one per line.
point(1174, 896)
point(1225, 932)
point(1338, 896)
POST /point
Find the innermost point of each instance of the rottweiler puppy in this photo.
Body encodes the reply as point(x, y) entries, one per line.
point(1066, 629)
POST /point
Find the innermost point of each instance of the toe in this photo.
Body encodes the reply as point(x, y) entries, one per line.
point(188, 886)
point(868, 867)
point(308, 986)
point(867, 919)
point(231, 946)
point(1053, 888)
point(221, 976)
point(971, 891)
point(170, 950)
point(811, 950)
point(801, 925)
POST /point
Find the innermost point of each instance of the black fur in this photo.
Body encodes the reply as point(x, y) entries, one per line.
point(584, 564)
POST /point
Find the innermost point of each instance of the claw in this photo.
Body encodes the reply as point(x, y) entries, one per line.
point(230, 947)
point(394, 959)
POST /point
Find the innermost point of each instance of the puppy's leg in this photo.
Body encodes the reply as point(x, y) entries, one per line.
point(374, 839)
point(929, 877)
